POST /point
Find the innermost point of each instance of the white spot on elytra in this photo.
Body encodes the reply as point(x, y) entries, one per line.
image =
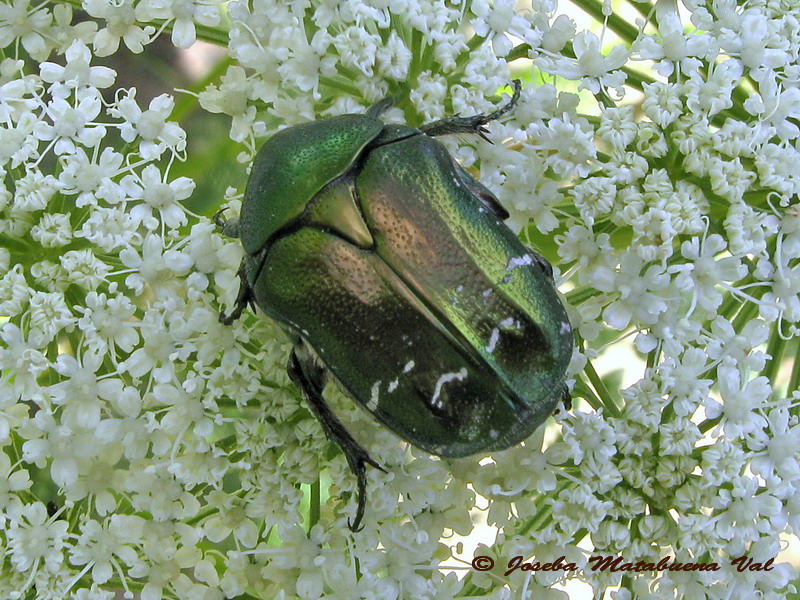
point(409, 366)
point(446, 378)
point(519, 261)
point(493, 340)
point(487, 292)
point(509, 323)
point(374, 395)
point(493, 434)
point(565, 328)
point(393, 385)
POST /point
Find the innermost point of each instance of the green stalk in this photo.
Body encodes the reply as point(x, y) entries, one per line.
point(615, 23)
point(314, 504)
point(776, 346)
point(794, 378)
point(186, 103)
point(610, 402)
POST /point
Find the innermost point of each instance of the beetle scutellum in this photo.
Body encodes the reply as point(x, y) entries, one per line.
point(391, 269)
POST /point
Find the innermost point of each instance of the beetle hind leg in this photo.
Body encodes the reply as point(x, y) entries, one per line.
point(310, 378)
point(474, 124)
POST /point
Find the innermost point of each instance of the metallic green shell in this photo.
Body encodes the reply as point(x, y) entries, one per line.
point(293, 166)
point(445, 327)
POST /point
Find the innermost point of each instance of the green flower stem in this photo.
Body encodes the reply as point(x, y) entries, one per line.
point(582, 390)
point(709, 424)
point(615, 23)
point(415, 68)
point(185, 104)
point(15, 244)
point(776, 347)
point(652, 358)
point(610, 402)
point(794, 378)
point(212, 35)
point(580, 295)
point(340, 85)
point(545, 512)
point(314, 504)
point(746, 313)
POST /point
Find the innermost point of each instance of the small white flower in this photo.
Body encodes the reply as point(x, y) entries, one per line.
point(617, 126)
point(107, 323)
point(158, 195)
point(704, 272)
point(77, 73)
point(14, 292)
point(674, 48)
point(73, 124)
point(91, 179)
point(34, 538)
point(662, 102)
point(110, 228)
point(742, 402)
point(594, 69)
point(102, 545)
point(185, 13)
point(18, 21)
point(496, 21)
point(155, 133)
point(83, 268)
point(641, 296)
point(49, 314)
point(52, 230)
point(776, 453)
point(745, 511)
point(120, 20)
point(393, 58)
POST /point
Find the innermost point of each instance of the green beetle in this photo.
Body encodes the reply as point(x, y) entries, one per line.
point(392, 270)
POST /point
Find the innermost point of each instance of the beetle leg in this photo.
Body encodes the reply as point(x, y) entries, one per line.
point(543, 264)
point(243, 298)
point(566, 397)
point(381, 106)
point(229, 227)
point(473, 124)
point(310, 378)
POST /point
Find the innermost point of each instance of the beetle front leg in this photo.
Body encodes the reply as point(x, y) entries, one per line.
point(228, 227)
point(473, 124)
point(310, 378)
point(243, 298)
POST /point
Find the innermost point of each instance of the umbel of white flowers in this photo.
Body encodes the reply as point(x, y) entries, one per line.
point(149, 450)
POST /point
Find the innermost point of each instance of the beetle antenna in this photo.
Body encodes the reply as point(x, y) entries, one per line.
point(474, 124)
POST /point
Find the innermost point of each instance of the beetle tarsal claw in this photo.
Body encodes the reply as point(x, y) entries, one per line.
point(228, 227)
point(243, 298)
point(217, 218)
point(358, 458)
point(473, 124)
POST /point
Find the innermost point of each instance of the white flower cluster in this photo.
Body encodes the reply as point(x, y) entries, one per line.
point(148, 450)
